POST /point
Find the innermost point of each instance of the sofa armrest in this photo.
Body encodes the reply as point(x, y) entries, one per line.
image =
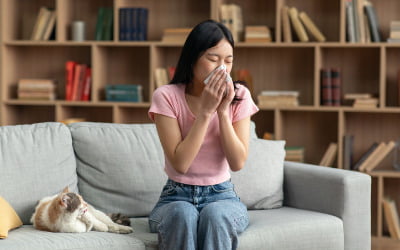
point(342, 193)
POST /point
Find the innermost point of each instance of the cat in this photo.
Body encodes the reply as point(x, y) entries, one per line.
point(67, 212)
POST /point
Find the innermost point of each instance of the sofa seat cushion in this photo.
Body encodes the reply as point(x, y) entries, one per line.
point(120, 166)
point(26, 237)
point(35, 161)
point(284, 228)
point(292, 229)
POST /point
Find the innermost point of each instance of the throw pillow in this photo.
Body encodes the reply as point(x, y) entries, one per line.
point(260, 183)
point(9, 219)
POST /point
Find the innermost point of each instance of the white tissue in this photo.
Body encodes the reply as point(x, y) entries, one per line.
point(223, 67)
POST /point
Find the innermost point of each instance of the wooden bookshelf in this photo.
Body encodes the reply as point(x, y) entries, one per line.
point(365, 67)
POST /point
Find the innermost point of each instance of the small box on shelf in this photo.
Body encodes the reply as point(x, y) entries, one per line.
point(124, 93)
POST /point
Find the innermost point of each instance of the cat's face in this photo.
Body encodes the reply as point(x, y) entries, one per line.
point(72, 202)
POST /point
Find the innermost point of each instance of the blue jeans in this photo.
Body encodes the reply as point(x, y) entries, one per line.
point(198, 217)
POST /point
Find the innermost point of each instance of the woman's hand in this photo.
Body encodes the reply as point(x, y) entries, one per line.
point(213, 92)
point(227, 98)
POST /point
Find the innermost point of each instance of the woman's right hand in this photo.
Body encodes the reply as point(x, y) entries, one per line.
point(213, 92)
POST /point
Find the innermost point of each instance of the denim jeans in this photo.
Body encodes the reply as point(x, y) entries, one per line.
point(189, 217)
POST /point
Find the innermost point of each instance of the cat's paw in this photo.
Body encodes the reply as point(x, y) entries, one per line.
point(120, 229)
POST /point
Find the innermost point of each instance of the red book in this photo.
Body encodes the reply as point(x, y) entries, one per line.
point(87, 85)
point(79, 75)
point(326, 87)
point(336, 87)
point(69, 79)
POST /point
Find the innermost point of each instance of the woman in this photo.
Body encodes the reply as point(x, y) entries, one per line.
point(204, 131)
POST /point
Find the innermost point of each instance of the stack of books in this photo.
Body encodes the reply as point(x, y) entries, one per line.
point(37, 89)
point(231, 16)
point(44, 25)
point(278, 99)
point(175, 35)
point(133, 24)
point(362, 100)
point(104, 25)
point(294, 154)
point(394, 32)
point(301, 25)
point(254, 34)
point(124, 93)
point(374, 156)
point(78, 81)
point(361, 22)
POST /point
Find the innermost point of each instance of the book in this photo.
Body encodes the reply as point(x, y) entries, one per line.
point(42, 20)
point(287, 34)
point(348, 151)
point(356, 20)
point(336, 85)
point(107, 34)
point(257, 33)
point(298, 27)
point(175, 35)
point(101, 13)
point(326, 87)
point(364, 156)
point(124, 93)
point(311, 27)
point(371, 157)
point(380, 156)
point(79, 76)
point(50, 26)
point(350, 30)
point(69, 79)
point(36, 89)
point(329, 156)
point(391, 217)
point(87, 85)
point(372, 21)
point(294, 153)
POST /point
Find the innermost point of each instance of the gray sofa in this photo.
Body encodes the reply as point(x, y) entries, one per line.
point(118, 168)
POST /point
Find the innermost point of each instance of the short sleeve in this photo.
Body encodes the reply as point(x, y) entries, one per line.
point(162, 103)
point(245, 107)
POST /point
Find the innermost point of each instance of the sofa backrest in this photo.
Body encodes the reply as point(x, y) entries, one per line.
point(35, 161)
point(120, 166)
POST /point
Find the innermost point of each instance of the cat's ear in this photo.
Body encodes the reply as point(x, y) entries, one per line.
point(64, 200)
point(66, 190)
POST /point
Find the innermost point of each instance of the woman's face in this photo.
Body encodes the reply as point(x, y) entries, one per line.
point(222, 53)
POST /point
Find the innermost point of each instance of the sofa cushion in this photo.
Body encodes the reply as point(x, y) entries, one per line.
point(27, 237)
point(120, 166)
point(260, 183)
point(9, 219)
point(36, 161)
point(290, 228)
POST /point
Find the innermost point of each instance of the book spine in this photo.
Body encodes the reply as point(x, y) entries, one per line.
point(356, 20)
point(351, 35)
point(287, 34)
point(122, 24)
point(326, 87)
point(298, 27)
point(69, 79)
point(87, 85)
point(336, 85)
point(373, 22)
point(99, 24)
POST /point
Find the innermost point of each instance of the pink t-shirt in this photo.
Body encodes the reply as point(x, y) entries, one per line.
point(210, 166)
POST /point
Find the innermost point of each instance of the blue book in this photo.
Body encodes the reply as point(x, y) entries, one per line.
point(142, 24)
point(124, 93)
point(122, 24)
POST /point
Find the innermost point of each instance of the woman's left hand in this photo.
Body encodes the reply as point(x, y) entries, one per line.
point(227, 99)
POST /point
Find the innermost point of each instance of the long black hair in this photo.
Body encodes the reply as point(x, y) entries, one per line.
point(203, 36)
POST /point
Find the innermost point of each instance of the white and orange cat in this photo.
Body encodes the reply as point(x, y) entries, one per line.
point(67, 212)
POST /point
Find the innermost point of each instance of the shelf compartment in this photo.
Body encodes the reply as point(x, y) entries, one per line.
point(392, 77)
point(131, 115)
point(40, 62)
point(186, 14)
point(27, 114)
point(16, 28)
point(274, 68)
point(78, 10)
point(386, 12)
point(91, 113)
point(121, 65)
point(368, 128)
point(264, 120)
point(359, 68)
point(254, 12)
point(325, 15)
point(321, 129)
